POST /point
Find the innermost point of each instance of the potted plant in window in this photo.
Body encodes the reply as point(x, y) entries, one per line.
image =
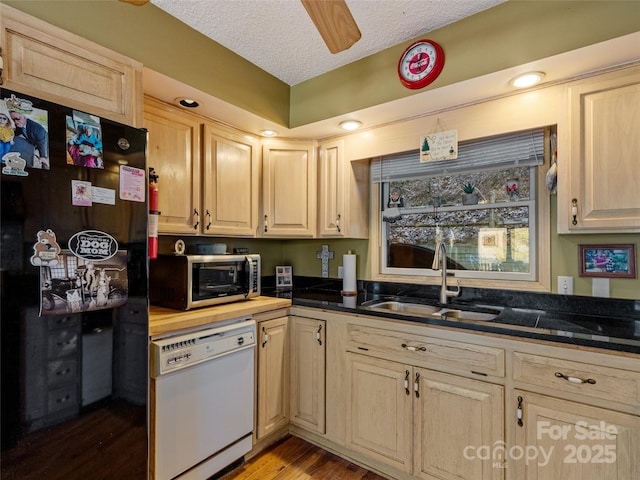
point(469, 195)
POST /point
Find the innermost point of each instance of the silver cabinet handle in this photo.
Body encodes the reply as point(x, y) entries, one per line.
point(414, 349)
point(577, 380)
point(208, 214)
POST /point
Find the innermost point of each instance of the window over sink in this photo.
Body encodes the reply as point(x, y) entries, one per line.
point(484, 206)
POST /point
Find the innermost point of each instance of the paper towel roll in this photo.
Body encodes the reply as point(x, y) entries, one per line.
point(350, 302)
point(349, 285)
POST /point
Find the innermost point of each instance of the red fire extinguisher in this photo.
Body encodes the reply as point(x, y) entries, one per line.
point(153, 213)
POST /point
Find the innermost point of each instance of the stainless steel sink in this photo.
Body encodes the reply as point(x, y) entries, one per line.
point(405, 308)
point(433, 311)
point(463, 315)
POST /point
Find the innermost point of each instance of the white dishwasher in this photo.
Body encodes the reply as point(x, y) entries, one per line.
point(203, 391)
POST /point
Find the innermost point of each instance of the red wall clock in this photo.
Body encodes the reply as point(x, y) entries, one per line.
point(420, 64)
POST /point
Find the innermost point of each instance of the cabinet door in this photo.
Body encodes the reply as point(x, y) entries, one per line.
point(230, 183)
point(454, 420)
point(572, 441)
point(308, 346)
point(53, 64)
point(289, 189)
point(343, 194)
point(379, 406)
point(174, 152)
point(331, 191)
point(602, 146)
point(273, 376)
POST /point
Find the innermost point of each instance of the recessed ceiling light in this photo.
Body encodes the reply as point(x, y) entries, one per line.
point(188, 103)
point(268, 133)
point(527, 79)
point(350, 124)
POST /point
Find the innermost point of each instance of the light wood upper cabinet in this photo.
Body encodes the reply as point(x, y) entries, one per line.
point(288, 189)
point(230, 182)
point(308, 350)
point(50, 63)
point(598, 152)
point(343, 194)
point(273, 376)
point(174, 152)
point(208, 173)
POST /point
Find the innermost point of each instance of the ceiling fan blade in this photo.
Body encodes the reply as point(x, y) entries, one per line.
point(137, 3)
point(335, 23)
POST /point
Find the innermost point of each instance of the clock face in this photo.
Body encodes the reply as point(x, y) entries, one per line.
point(420, 64)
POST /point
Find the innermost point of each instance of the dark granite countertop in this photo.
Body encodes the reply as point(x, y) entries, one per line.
point(602, 323)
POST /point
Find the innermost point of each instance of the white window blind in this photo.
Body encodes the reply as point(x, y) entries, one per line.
point(518, 149)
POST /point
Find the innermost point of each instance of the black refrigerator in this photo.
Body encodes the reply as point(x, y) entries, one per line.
point(74, 323)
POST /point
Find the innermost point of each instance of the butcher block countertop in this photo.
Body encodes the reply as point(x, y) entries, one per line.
point(165, 320)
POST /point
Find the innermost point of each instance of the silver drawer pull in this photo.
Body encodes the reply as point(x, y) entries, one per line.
point(575, 379)
point(413, 349)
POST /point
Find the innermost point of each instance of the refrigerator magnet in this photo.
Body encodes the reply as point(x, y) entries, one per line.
point(46, 249)
point(81, 193)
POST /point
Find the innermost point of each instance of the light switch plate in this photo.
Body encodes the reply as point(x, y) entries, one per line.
point(565, 285)
point(340, 271)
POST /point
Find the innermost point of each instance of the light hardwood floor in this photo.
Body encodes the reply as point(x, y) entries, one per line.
point(293, 458)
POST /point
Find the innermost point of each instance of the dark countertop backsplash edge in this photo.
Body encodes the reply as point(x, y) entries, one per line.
point(569, 304)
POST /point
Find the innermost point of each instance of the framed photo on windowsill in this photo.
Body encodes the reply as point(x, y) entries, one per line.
point(607, 261)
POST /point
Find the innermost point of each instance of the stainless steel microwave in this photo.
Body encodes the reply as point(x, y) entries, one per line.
point(183, 282)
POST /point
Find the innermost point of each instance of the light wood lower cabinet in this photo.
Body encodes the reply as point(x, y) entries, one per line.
point(416, 402)
point(563, 440)
point(421, 421)
point(273, 376)
point(308, 350)
point(455, 420)
point(379, 410)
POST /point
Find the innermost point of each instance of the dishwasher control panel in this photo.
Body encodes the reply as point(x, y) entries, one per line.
point(181, 351)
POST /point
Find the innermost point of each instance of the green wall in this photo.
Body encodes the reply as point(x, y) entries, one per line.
point(510, 34)
point(164, 44)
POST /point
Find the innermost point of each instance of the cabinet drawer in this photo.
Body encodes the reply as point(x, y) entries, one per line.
point(61, 371)
point(62, 398)
point(600, 382)
point(71, 322)
point(426, 351)
point(61, 343)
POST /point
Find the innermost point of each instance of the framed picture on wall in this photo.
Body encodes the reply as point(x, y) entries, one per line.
point(608, 261)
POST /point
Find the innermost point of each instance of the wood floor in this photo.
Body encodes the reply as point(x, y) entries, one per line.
point(105, 444)
point(293, 458)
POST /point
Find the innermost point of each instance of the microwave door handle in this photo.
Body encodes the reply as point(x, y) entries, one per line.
point(250, 279)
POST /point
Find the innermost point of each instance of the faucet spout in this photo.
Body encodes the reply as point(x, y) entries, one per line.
point(440, 263)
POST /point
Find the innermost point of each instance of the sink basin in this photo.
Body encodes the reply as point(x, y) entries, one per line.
point(447, 314)
point(405, 308)
point(434, 311)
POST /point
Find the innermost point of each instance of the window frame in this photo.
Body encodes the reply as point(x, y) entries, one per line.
point(540, 231)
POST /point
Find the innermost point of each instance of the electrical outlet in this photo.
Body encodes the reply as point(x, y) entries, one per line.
point(565, 285)
point(340, 271)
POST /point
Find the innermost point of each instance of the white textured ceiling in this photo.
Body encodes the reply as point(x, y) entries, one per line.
point(279, 37)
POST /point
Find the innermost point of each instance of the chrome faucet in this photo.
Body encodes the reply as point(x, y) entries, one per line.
point(440, 258)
